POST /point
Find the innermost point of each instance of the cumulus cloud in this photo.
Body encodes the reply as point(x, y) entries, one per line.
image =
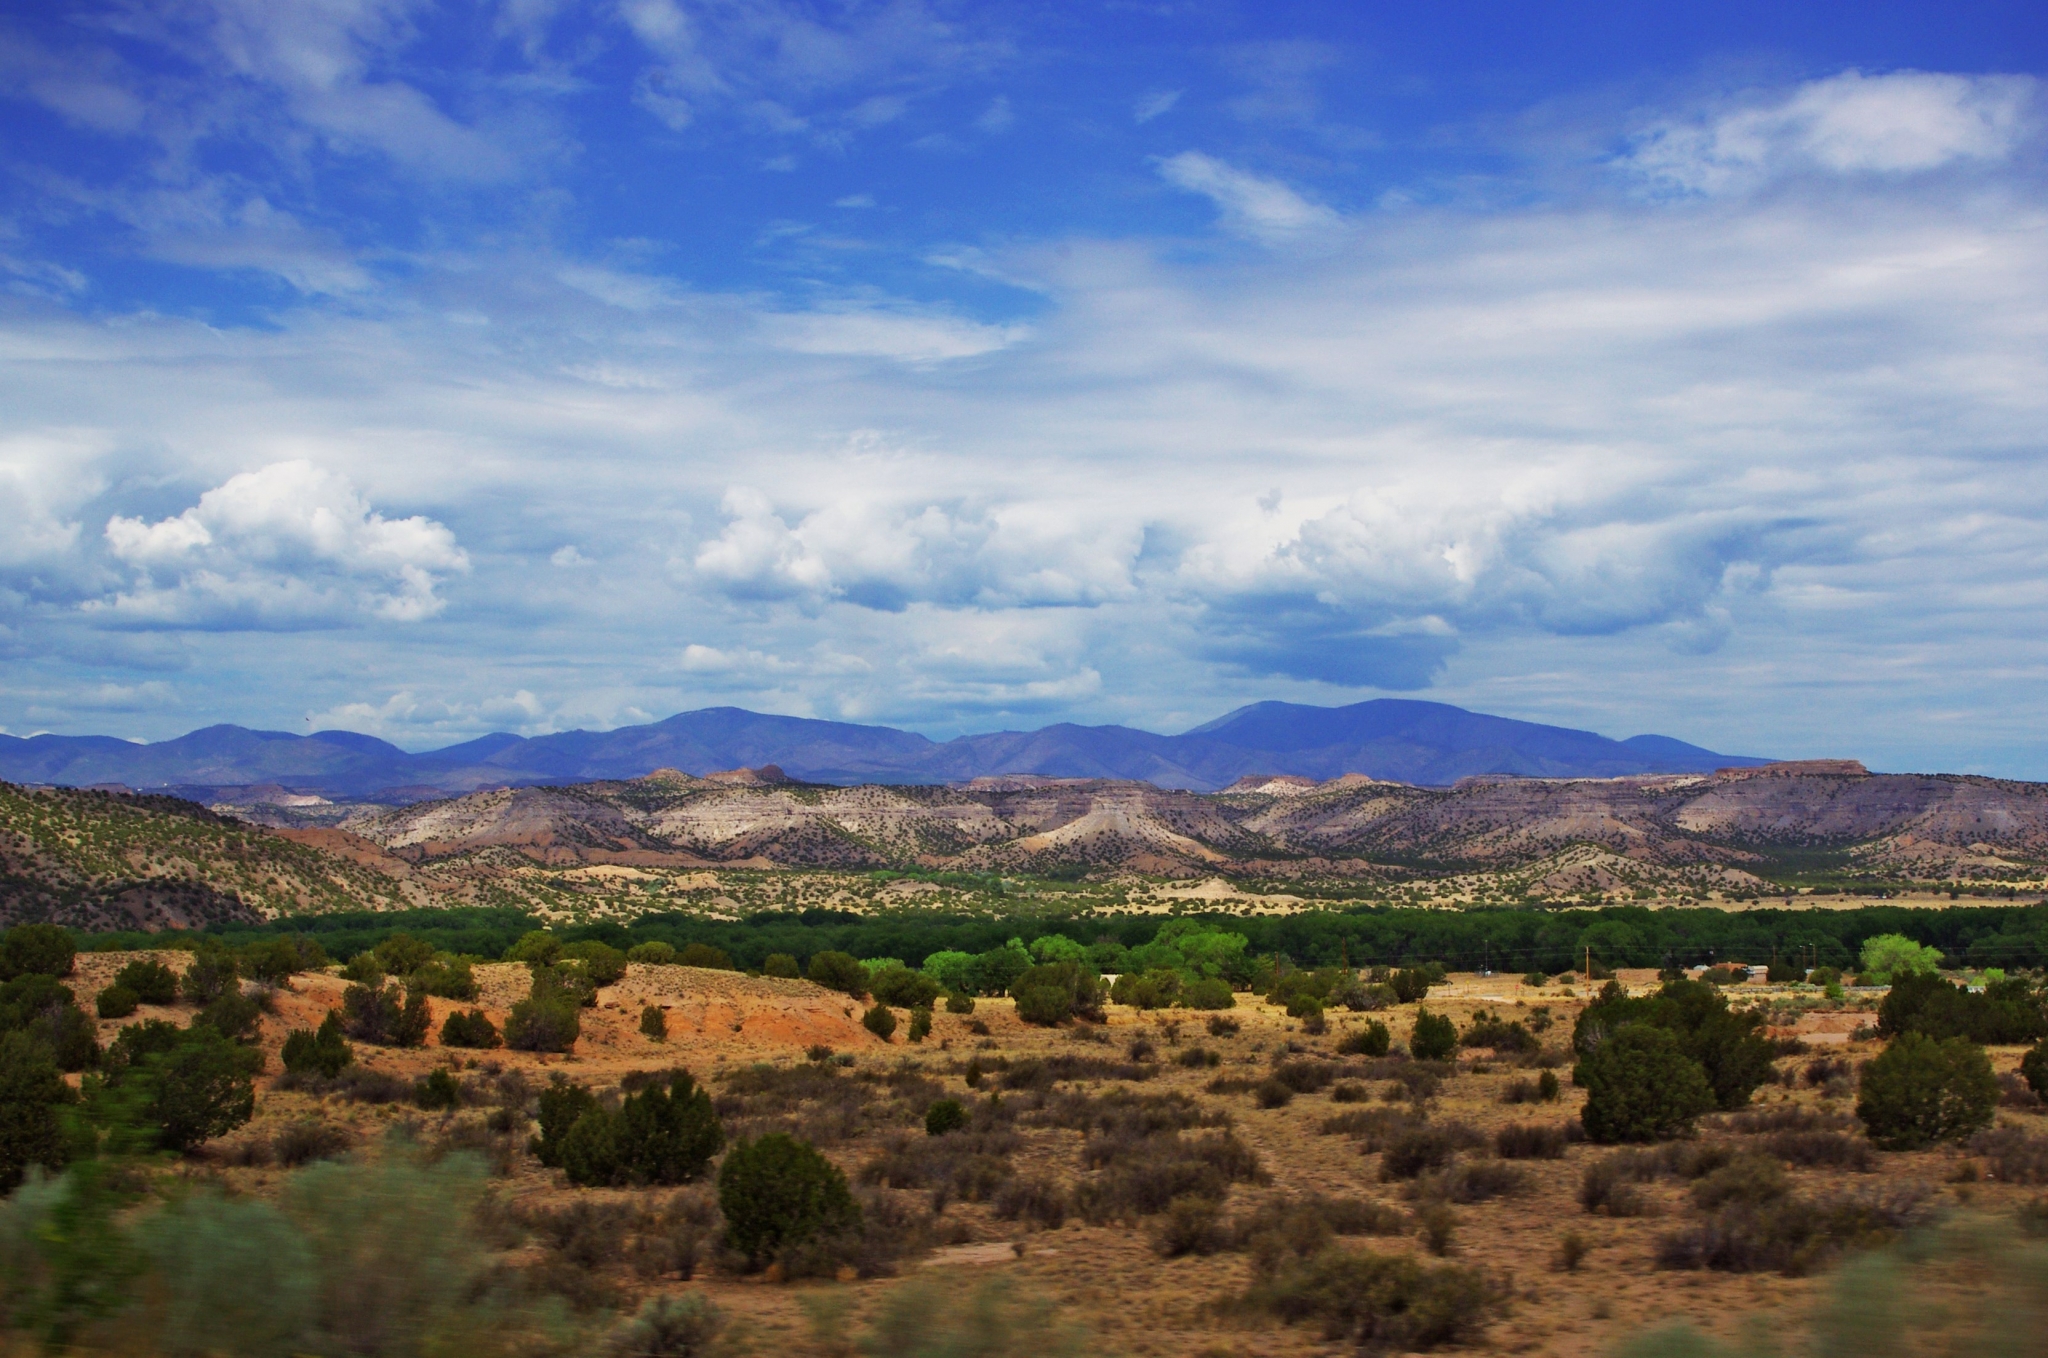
point(1897, 123)
point(1263, 209)
point(887, 556)
point(288, 545)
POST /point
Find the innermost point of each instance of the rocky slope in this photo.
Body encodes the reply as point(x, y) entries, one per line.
point(107, 860)
point(1739, 818)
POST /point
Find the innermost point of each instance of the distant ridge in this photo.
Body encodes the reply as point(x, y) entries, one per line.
point(1397, 740)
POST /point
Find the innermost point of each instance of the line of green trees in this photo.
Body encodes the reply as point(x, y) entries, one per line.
point(1507, 939)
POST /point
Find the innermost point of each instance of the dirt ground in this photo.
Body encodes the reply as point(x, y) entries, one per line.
point(1109, 1278)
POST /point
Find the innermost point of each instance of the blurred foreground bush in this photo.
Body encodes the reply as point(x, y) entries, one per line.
point(1975, 1286)
point(356, 1259)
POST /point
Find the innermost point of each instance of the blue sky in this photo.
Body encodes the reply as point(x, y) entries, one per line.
point(427, 370)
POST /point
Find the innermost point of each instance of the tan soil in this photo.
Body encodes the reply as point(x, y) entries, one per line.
point(1108, 1277)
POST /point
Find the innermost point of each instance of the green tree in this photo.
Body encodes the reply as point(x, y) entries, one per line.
point(880, 1021)
point(203, 1087)
point(36, 950)
point(780, 964)
point(559, 1108)
point(654, 953)
point(536, 947)
point(2034, 1068)
point(1887, 956)
point(777, 1192)
point(920, 1023)
point(31, 1093)
point(839, 971)
point(1435, 1037)
point(945, 1115)
point(654, 1023)
point(473, 1029)
point(1921, 1090)
point(1641, 1086)
point(324, 1052)
point(152, 981)
point(212, 974)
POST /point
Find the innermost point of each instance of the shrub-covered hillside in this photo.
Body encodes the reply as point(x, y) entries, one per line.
point(97, 860)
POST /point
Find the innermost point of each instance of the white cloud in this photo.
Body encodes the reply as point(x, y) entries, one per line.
point(287, 545)
point(907, 337)
point(1264, 209)
point(1898, 123)
point(1156, 104)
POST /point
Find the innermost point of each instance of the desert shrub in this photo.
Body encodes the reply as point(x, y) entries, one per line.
point(2034, 1068)
point(880, 1020)
point(704, 957)
point(449, 977)
point(116, 1002)
point(212, 974)
point(536, 947)
point(384, 1016)
point(363, 969)
point(151, 981)
point(2007, 1010)
point(473, 1030)
point(323, 1051)
point(2013, 1156)
point(1499, 1036)
point(1272, 1092)
point(653, 1023)
point(1042, 1072)
point(1053, 992)
point(1305, 1077)
point(1746, 1178)
point(32, 1090)
point(308, 1140)
point(1208, 992)
point(1281, 1229)
point(1434, 1037)
point(36, 950)
point(1610, 1186)
point(1472, 1181)
point(959, 1002)
point(1223, 1026)
point(44, 1009)
point(1033, 1199)
point(234, 1016)
point(1374, 1128)
point(663, 1133)
point(1784, 1233)
point(839, 971)
point(668, 1327)
point(1142, 1175)
point(1571, 1251)
point(1727, 1047)
point(777, 1192)
point(1409, 985)
point(1920, 1091)
point(1531, 1141)
point(1418, 1082)
point(603, 964)
point(1389, 1303)
point(557, 1110)
point(970, 1164)
point(1304, 1005)
point(189, 1086)
point(903, 988)
point(1191, 1225)
point(780, 964)
point(1822, 1150)
point(655, 953)
point(436, 1090)
point(1349, 1091)
point(946, 1115)
point(1545, 1088)
point(1426, 1146)
point(541, 1024)
point(1371, 1040)
point(920, 1024)
point(1159, 988)
point(1640, 1086)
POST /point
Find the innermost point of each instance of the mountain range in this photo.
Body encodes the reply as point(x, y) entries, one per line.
point(1398, 740)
